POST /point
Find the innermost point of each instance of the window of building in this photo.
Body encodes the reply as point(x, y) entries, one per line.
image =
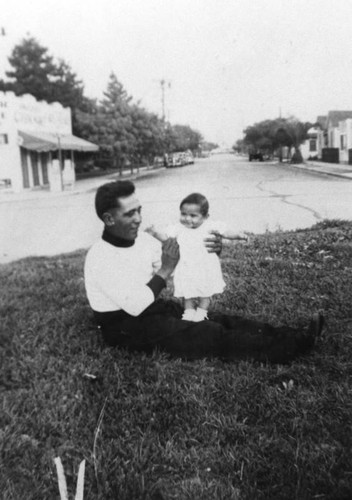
point(342, 141)
point(35, 168)
point(332, 142)
point(312, 145)
point(4, 139)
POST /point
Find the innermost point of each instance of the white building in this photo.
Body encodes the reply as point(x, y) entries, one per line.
point(345, 146)
point(36, 143)
point(338, 134)
point(313, 145)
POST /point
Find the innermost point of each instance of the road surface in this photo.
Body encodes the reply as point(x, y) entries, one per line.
point(254, 196)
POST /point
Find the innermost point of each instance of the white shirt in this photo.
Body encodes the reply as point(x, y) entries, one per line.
point(116, 277)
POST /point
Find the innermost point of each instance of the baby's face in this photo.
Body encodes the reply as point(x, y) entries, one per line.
point(191, 216)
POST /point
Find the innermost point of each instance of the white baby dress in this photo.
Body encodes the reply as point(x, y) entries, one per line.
point(198, 272)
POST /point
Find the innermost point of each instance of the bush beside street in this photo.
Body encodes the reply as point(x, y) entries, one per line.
point(172, 429)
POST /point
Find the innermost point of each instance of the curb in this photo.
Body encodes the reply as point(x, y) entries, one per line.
point(316, 169)
point(41, 194)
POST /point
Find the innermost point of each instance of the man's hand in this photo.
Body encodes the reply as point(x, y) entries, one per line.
point(169, 257)
point(213, 243)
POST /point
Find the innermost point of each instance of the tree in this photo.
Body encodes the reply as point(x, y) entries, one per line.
point(32, 67)
point(148, 131)
point(116, 128)
point(35, 72)
point(207, 146)
point(129, 134)
point(272, 135)
point(239, 146)
point(261, 136)
point(297, 132)
point(125, 132)
point(182, 138)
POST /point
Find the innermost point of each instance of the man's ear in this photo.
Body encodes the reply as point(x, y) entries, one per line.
point(108, 219)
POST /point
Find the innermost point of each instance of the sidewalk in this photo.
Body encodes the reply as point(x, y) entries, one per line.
point(319, 167)
point(80, 186)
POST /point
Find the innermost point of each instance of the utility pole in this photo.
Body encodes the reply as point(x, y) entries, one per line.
point(3, 54)
point(163, 83)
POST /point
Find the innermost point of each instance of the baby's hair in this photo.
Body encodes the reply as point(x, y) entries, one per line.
point(197, 199)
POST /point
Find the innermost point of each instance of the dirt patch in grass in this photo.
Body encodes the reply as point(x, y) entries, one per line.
point(173, 429)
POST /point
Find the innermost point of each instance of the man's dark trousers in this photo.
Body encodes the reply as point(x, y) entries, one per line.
point(223, 336)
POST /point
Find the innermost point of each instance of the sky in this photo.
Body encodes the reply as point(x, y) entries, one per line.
point(227, 63)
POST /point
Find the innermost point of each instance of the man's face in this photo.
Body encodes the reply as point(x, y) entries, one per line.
point(125, 220)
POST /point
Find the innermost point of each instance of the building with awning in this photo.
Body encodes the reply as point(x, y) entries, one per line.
point(36, 144)
point(44, 142)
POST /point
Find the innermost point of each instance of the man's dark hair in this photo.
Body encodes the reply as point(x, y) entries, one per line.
point(108, 195)
point(197, 199)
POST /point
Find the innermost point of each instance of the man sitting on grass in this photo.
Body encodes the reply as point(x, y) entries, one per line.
point(125, 273)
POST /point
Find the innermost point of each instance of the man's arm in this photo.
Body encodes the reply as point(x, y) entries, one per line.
point(213, 242)
point(109, 287)
point(169, 259)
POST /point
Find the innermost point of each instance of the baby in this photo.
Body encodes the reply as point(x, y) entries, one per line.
point(198, 273)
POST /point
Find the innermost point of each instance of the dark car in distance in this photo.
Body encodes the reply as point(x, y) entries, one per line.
point(255, 155)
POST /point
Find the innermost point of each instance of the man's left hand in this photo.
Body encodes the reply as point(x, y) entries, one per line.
point(213, 242)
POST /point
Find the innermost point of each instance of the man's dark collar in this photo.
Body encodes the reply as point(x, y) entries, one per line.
point(116, 240)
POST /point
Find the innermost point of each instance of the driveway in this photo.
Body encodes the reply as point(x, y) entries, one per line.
point(257, 197)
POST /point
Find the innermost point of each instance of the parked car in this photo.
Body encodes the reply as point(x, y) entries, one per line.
point(180, 159)
point(158, 161)
point(255, 155)
point(189, 158)
point(175, 160)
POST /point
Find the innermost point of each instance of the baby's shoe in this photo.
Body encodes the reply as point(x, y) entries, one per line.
point(200, 315)
point(189, 314)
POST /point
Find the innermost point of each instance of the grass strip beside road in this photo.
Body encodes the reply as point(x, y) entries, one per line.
point(173, 429)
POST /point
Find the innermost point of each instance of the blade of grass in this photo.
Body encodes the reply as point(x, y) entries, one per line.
point(61, 479)
point(80, 481)
point(97, 430)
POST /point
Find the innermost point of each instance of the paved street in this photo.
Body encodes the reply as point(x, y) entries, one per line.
point(252, 196)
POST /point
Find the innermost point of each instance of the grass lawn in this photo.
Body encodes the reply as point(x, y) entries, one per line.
point(173, 429)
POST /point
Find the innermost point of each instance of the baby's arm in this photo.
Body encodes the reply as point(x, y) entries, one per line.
point(229, 234)
point(158, 233)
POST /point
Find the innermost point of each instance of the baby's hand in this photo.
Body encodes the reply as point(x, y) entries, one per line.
point(150, 230)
